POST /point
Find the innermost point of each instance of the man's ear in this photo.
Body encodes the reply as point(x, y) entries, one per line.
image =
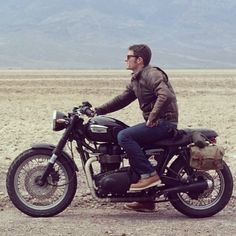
point(140, 60)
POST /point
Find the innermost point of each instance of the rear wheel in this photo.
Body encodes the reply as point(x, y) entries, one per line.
point(205, 203)
point(31, 198)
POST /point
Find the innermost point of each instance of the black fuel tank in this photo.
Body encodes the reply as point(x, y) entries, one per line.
point(104, 129)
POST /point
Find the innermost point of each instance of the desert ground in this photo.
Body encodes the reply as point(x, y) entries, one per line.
point(206, 99)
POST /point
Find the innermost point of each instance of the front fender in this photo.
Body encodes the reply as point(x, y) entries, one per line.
point(51, 148)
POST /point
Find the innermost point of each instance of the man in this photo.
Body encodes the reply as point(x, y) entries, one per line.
point(158, 103)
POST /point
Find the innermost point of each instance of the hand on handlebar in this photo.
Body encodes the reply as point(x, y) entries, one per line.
point(89, 112)
point(85, 109)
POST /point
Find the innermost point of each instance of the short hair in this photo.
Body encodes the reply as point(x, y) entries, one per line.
point(142, 50)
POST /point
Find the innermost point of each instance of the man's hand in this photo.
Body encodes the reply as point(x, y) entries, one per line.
point(151, 123)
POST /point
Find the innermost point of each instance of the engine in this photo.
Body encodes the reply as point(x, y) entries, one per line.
point(110, 157)
point(111, 179)
point(115, 180)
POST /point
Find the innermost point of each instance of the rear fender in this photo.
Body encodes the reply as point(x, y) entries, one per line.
point(51, 148)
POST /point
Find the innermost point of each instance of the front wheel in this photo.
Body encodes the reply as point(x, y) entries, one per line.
point(31, 198)
point(208, 202)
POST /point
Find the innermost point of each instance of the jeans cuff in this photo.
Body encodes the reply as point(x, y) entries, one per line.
point(145, 176)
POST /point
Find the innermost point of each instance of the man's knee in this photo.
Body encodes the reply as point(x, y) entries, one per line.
point(122, 137)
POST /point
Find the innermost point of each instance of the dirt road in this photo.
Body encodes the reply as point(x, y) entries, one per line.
point(117, 222)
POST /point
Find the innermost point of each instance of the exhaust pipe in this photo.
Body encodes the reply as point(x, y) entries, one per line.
point(200, 186)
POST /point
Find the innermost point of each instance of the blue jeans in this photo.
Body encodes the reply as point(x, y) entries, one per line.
point(133, 138)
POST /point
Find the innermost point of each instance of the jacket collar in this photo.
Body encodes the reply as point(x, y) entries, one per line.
point(136, 75)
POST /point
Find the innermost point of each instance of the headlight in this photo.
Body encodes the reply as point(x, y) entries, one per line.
point(59, 121)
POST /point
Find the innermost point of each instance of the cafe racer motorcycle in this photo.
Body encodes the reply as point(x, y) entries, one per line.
point(42, 180)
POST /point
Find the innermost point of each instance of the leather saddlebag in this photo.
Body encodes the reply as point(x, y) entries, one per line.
point(208, 158)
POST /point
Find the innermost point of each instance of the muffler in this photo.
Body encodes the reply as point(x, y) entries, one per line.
point(195, 187)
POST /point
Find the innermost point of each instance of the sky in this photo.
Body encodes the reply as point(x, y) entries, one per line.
point(91, 34)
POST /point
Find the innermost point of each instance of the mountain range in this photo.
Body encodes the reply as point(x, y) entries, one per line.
point(95, 34)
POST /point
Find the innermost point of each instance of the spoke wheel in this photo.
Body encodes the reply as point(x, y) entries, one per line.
point(202, 203)
point(209, 197)
point(28, 195)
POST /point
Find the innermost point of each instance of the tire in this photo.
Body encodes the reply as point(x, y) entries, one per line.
point(209, 202)
point(40, 201)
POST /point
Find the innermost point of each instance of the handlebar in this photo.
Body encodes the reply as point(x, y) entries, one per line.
point(89, 112)
point(85, 109)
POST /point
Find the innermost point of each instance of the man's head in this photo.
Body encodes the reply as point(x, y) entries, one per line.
point(139, 55)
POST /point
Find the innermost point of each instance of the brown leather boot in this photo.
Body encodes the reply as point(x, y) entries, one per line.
point(145, 183)
point(140, 206)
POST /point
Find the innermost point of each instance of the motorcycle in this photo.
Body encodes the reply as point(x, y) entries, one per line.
point(42, 181)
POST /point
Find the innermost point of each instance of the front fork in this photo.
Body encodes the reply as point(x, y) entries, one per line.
point(56, 152)
point(41, 181)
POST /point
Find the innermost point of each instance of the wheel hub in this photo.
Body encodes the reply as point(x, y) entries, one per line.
point(201, 175)
point(35, 190)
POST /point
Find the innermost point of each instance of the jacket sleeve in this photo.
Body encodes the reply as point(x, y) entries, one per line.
point(118, 102)
point(162, 91)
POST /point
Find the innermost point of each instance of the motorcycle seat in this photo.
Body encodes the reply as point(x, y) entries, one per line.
point(184, 137)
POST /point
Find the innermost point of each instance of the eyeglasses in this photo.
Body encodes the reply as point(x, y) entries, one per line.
point(129, 56)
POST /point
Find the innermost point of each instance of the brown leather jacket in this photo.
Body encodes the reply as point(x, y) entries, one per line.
point(155, 94)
